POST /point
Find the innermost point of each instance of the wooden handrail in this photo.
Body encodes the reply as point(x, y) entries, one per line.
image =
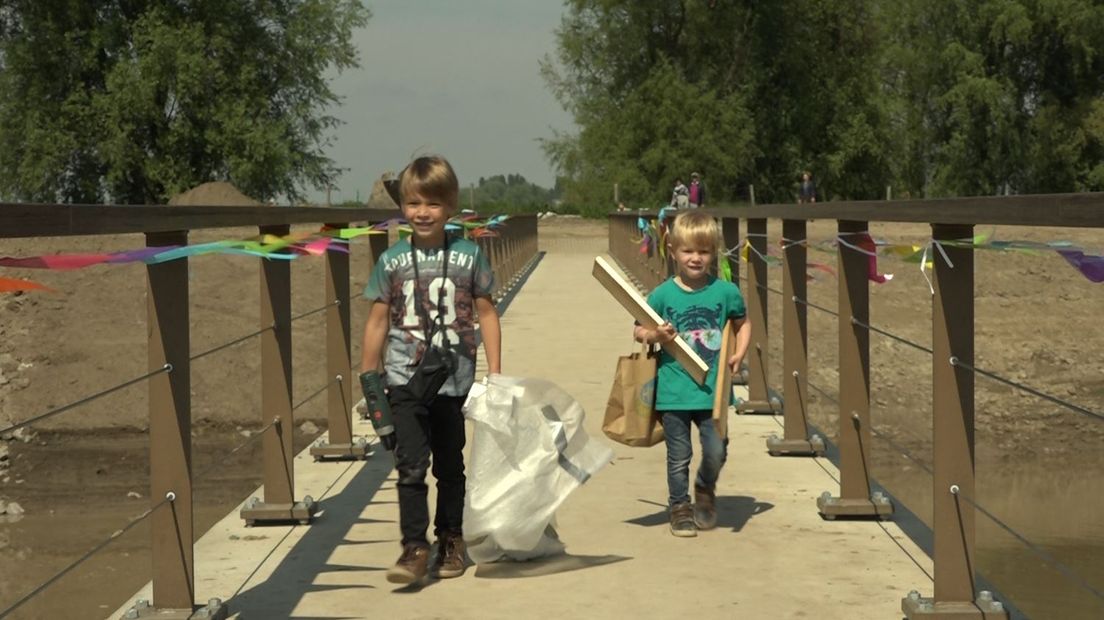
point(56, 220)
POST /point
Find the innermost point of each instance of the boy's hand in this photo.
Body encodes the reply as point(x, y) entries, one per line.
point(664, 333)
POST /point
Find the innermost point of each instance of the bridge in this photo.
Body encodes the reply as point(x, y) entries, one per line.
point(804, 529)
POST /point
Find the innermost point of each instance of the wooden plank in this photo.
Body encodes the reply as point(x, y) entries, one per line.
point(1083, 210)
point(55, 220)
point(631, 300)
point(722, 389)
point(1062, 210)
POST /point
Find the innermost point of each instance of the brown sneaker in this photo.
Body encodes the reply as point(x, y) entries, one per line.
point(705, 508)
point(450, 561)
point(682, 521)
point(411, 566)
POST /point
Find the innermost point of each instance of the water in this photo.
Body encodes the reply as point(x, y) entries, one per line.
point(1055, 505)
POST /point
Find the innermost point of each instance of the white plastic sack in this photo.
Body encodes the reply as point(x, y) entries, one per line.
point(529, 452)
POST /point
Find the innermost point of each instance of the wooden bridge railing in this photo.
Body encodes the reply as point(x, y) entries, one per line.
point(955, 593)
point(169, 327)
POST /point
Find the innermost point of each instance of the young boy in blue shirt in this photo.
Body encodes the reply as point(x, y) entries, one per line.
point(427, 291)
point(697, 306)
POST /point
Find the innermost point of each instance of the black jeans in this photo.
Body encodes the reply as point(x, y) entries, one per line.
point(420, 432)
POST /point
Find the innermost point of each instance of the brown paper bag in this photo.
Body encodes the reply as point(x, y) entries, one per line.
point(631, 418)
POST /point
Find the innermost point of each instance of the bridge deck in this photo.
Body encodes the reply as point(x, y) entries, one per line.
point(771, 556)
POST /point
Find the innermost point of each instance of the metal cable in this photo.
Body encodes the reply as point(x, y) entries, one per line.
point(876, 432)
point(1030, 390)
point(906, 552)
point(821, 391)
point(760, 286)
point(1046, 557)
point(905, 453)
point(910, 343)
point(169, 497)
point(253, 437)
point(53, 412)
point(814, 306)
point(316, 393)
point(817, 459)
point(797, 299)
point(220, 463)
point(231, 343)
point(336, 302)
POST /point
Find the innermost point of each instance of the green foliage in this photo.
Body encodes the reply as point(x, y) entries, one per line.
point(511, 189)
point(134, 101)
point(933, 97)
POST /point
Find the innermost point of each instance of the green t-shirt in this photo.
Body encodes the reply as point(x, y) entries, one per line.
point(700, 317)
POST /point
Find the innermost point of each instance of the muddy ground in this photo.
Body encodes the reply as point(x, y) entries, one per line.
point(78, 474)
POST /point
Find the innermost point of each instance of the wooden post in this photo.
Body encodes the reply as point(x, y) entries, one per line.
point(953, 524)
point(796, 440)
point(170, 427)
point(759, 398)
point(339, 372)
point(276, 395)
point(854, 388)
point(730, 231)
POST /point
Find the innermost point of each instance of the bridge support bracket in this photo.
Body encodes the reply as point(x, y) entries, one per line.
point(358, 450)
point(779, 446)
point(256, 512)
point(917, 607)
point(877, 506)
point(772, 407)
point(215, 609)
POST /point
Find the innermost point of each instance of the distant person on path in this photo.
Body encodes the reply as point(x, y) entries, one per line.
point(807, 192)
point(680, 198)
point(696, 192)
point(426, 292)
point(697, 306)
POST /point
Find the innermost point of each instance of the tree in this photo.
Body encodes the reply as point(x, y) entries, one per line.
point(742, 91)
point(511, 192)
point(997, 96)
point(133, 101)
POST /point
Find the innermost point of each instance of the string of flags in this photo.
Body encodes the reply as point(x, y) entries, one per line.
point(270, 247)
point(1090, 263)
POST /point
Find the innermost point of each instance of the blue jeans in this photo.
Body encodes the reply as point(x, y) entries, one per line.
point(676, 430)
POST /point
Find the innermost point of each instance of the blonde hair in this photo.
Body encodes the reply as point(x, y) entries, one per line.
point(695, 228)
point(430, 176)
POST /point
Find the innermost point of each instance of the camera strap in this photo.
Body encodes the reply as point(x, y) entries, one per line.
point(422, 314)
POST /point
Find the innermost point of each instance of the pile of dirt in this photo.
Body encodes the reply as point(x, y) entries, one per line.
point(382, 197)
point(214, 193)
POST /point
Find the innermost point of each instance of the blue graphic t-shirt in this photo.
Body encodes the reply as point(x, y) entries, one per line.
point(392, 282)
point(699, 316)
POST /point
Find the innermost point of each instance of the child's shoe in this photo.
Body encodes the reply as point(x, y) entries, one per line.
point(705, 508)
point(411, 566)
point(682, 521)
point(450, 560)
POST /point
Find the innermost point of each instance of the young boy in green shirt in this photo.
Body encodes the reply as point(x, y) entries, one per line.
point(697, 306)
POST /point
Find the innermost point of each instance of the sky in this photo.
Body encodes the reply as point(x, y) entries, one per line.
point(458, 78)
